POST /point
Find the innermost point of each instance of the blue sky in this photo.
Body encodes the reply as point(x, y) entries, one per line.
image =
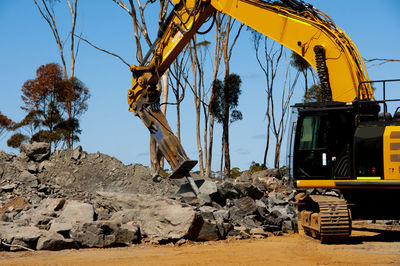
point(108, 127)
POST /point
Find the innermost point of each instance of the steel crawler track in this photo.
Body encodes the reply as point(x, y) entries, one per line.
point(326, 218)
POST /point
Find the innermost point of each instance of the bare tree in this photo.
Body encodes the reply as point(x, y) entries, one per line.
point(381, 61)
point(178, 80)
point(46, 9)
point(227, 48)
point(209, 116)
point(269, 62)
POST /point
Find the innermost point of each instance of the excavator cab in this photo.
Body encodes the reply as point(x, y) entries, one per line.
point(323, 141)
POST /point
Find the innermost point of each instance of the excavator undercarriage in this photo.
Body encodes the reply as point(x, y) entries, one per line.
point(325, 217)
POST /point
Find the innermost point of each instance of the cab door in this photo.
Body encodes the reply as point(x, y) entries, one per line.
point(311, 148)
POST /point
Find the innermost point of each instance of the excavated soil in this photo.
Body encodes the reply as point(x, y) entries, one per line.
point(369, 245)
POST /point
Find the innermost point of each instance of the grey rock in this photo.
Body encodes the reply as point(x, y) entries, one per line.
point(288, 227)
point(208, 231)
point(248, 189)
point(224, 229)
point(28, 179)
point(204, 199)
point(14, 234)
point(55, 241)
point(261, 208)
point(43, 213)
point(207, 212)
point(221, 215)
point(1, 170)
point(45, 165)
point(32, 168)
point(227, 191)
point(259, 184)
point(125, 216)
point(208, 188)
point(239, 232)
point(102, 214)
point(37, 151)
point(160, 219)
point(246, 205)
point(274, 172)
point(9, 187)
point(73, 212)
point(128, 233)
point(64, 179)
point(249, 222)
point(273, 221)
point(76, 154)
point(241, 187)
point(105, 233)
point(95, 234)
point(276, 199)
point(258, 231)
point(245, 177)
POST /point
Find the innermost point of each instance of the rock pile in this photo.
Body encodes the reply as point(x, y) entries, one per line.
point(72, 199)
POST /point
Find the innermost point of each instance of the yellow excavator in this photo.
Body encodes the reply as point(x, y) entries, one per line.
point(343, 143)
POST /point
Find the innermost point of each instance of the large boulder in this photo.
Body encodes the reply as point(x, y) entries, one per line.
point(16, 237)
point(273, 221)
point(37, 151)
point(227, 190)
point(54, 241)
point(160, 219)
point(248, 189)
point(74, 212)
point(246, 204)
point(105, 233)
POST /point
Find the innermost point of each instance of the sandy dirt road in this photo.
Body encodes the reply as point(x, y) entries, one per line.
point(366, 247)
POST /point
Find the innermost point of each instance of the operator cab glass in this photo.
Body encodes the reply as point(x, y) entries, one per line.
point(312, 148)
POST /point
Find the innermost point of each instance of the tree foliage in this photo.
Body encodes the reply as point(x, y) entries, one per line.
point(49, 100)
point(5, 124)
point(226, 94)
point(16, 140)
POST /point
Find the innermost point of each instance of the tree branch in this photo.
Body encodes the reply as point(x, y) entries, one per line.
point(383, 61)
point(105, 51)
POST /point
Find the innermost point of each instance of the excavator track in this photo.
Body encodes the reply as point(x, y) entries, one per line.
point(325, 217)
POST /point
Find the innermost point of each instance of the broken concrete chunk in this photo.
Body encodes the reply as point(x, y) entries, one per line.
point(73, 212)
point(76, 154)
point(28, 179)
point(55, 241)
point(37, 151)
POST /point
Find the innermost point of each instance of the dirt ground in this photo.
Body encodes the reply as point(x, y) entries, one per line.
point(368, 245)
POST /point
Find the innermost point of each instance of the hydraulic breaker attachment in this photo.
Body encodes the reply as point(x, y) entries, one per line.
point(168, 144)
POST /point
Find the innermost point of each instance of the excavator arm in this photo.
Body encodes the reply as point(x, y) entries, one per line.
point(294, 24)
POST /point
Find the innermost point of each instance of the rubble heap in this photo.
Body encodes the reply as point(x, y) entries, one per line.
point(72, 199)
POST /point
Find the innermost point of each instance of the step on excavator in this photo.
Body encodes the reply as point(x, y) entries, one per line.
point(342, 144)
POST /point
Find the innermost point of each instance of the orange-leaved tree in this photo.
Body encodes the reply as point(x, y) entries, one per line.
point(47, 116)
point(5, 124)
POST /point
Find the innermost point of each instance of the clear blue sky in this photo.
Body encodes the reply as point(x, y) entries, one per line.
point(26, 43)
